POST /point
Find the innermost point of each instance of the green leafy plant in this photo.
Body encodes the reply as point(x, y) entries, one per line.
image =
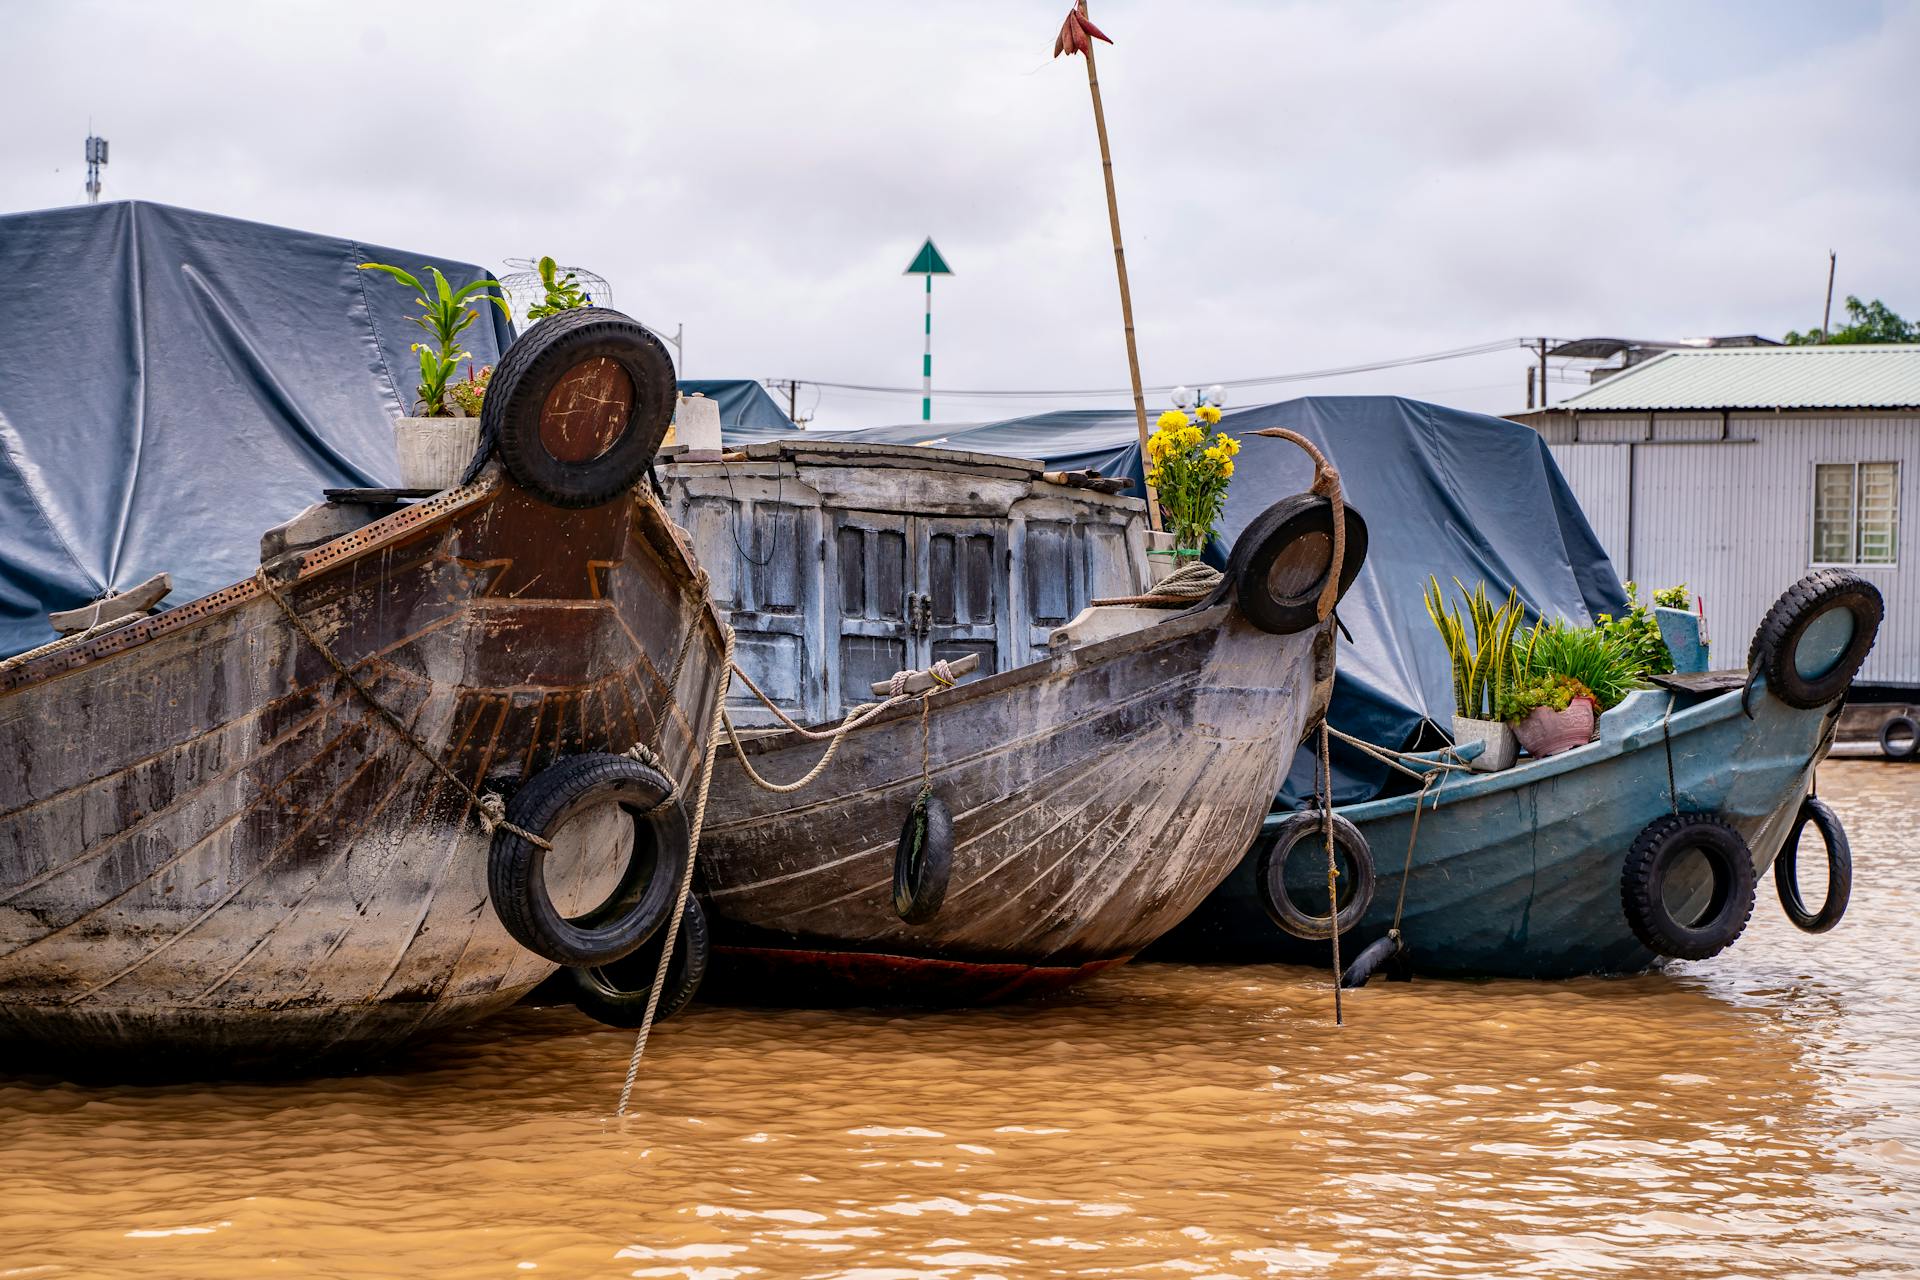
point(1604, 665)
point(1483, 666)
point(563, 292)
point(1638, 635)
point(1554, 692)
point(447, 313)
point(470, 393)
point(1674, 597)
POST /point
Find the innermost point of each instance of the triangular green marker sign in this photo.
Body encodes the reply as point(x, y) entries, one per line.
point(928, 262)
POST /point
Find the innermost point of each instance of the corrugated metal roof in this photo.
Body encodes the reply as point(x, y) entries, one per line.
point(1841, 377)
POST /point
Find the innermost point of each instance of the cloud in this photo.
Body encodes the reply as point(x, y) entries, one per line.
point(1302, 185)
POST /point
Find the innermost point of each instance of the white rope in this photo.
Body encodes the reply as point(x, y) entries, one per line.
point(943, 678)
point(686, 877)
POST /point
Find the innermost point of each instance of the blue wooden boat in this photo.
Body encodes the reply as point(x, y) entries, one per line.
point(1525, 872)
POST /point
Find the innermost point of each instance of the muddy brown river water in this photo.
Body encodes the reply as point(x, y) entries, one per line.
point(1755, 1115)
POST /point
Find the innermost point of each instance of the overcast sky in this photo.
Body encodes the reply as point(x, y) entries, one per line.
point(1302, 186)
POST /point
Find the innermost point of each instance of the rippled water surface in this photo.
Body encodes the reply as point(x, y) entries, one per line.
point(1756, 1115)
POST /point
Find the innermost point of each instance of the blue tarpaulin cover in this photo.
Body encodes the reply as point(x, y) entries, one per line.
point(1443, 491)
point(174, 383)
point(748, 414)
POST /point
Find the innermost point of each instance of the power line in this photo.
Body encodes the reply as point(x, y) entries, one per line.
point(1306, 375)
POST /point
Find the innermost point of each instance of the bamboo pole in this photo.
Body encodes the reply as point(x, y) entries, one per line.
point(1120, 267)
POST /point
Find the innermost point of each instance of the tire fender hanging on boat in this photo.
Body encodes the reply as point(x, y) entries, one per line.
point(1900, 738)
point(642, 900)
point(1308, 828)
point(1786, 878)
point(1652, 861)
point(923, 860)
point(615, 994)
point(1814, 638)
point(1278, 565)
point(577, 407)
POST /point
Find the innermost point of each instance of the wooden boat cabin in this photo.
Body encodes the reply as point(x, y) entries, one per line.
point(841, 563)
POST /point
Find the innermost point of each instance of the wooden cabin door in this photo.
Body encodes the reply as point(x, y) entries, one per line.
point(871, 582)
point(962, 590)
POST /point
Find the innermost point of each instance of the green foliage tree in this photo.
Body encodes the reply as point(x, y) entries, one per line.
point(1866, 322)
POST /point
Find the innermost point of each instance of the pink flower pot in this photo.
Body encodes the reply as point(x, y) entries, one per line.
point(1546, 732)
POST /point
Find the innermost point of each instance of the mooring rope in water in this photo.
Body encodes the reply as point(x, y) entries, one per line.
point(490, 809)
point(686, 877)
point(1333, 869)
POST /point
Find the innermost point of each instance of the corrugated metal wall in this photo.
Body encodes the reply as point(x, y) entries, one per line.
point(1674, 501)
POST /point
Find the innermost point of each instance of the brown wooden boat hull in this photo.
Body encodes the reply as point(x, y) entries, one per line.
point(1097, 798)
point(211, 848)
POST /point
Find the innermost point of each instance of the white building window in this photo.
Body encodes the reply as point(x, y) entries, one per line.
point(1856, 513)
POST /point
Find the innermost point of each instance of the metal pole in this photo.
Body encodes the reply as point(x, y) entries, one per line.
point(1543, 373)
point(1120, 268)
point(1826, 317)
point(793, 396)
point(926, 360)
point(1529, 386)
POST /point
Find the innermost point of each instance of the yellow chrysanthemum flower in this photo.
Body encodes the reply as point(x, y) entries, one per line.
point(1171, 419)
point(1208, 414)
point(1191, 436)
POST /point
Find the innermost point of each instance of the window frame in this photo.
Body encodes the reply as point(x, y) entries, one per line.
point(1853, 515)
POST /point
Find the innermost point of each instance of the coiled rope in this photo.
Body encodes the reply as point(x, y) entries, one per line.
point(1184, 585)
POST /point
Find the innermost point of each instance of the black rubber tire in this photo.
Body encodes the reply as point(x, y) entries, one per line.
point(1282, 607)
point(1786, 867)
point(1643, 885)
point(923, 860)
point(1780, 633)
point(1271, 873)
point(616, 993)
point(1900, 724)
point(643, 899)
point(510, 414)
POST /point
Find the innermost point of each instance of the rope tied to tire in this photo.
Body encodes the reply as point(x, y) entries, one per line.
point(1326, 483)
point(490, 809)
point(941, 673)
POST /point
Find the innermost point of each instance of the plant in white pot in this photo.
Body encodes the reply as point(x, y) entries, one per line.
point(1482, 668)
point(436, 445)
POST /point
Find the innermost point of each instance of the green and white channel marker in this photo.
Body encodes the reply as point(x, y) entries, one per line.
point(928, 263)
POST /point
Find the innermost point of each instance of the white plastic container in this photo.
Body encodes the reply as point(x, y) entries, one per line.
point(696, 424)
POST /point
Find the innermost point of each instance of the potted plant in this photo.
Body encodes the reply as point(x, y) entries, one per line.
point(1189, 464)
point(563, 291)
point(1483, 668)
point(436, 445)
point(1564, 678)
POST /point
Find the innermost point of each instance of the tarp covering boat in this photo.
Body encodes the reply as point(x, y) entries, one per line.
point(1444, 492)
point(748, 414)
point(173, 383)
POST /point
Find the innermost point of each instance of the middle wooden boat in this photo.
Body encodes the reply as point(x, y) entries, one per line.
point(1097, 794)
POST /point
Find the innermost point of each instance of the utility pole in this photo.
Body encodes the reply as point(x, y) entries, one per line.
point(1543, 373)
point(1826, 317)
point(1529, 386)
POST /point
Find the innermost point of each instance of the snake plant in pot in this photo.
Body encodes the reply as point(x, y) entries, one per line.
point(1483, 667)
point(436, 446)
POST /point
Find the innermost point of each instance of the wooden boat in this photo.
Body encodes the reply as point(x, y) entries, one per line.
point(1577, 863)
point(217, 847)
point(1097, 794)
